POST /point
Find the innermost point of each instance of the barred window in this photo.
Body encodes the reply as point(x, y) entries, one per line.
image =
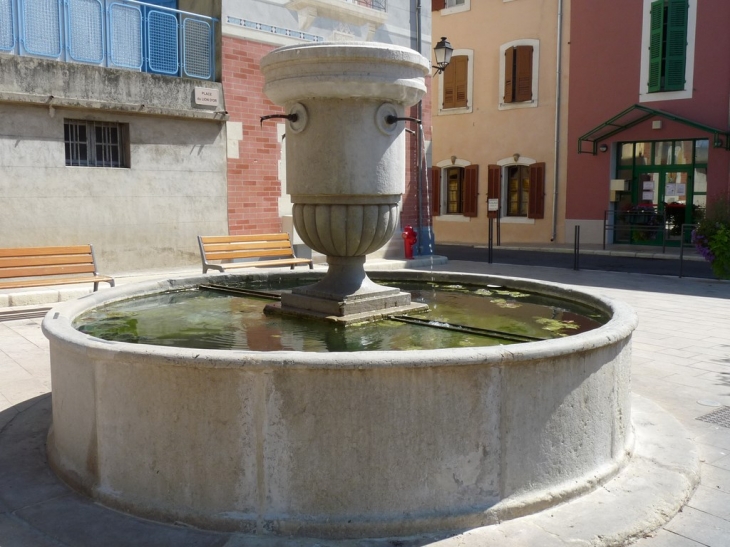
point(96, 144)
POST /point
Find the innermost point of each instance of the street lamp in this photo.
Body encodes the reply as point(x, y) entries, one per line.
point(442, 51)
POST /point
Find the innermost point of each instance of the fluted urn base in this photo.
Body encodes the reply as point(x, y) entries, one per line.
point(346, 295)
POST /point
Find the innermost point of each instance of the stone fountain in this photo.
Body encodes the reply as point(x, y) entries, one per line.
point(340, 445)
point(346, 153)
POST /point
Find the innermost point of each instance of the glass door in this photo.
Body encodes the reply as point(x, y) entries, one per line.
point(661, 195)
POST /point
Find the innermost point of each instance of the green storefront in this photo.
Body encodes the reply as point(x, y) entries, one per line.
point(664, 186)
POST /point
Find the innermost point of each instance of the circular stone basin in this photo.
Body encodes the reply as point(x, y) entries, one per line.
point(340, 445)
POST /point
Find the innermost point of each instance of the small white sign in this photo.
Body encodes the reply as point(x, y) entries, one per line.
point(493, 204)
point(206, 96)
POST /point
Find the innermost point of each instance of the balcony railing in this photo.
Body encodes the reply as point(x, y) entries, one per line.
point(379, 5)
point(114, 33)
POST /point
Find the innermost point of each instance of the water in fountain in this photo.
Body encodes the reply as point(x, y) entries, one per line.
point(460, 316)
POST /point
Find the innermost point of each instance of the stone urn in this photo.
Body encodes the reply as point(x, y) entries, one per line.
point(345, 164)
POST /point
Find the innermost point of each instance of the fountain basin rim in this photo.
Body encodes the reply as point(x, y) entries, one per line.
point(58, 322)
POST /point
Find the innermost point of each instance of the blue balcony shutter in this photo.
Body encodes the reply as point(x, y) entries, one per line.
point(676, 45)
point(655, 46)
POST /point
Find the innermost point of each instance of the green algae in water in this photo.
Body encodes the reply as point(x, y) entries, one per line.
point(210, 320)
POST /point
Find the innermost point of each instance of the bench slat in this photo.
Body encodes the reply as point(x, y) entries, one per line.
point(54, 281)
point(229, 255)
point(35, 271)
point(253, 246)
point(258, 237)
point(266, 263)
point(49, 260)
point(45, 251)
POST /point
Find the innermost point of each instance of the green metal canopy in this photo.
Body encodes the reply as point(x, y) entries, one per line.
point(636, 114)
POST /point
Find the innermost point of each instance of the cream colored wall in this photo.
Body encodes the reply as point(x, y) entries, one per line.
point(488, 134)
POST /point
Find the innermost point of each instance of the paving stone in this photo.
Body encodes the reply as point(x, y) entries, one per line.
point(17, 533)
point(704, 528)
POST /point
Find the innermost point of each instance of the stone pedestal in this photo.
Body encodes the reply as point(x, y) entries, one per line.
point(346, 156)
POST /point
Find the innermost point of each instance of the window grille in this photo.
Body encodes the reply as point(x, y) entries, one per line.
point(95, 144)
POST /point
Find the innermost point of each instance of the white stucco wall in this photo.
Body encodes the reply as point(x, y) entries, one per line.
point(143, 217)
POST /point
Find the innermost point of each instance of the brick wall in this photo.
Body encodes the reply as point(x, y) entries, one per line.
point(253, 181)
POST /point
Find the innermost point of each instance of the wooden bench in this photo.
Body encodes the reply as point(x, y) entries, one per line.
point(23, 267)
point(275, 248)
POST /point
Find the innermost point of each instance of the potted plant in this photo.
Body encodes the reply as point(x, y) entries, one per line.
point(712, 237)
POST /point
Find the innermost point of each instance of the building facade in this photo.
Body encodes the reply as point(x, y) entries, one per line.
point(111, 133)
point(649, 117)
point(499, 121)
point(257, 199)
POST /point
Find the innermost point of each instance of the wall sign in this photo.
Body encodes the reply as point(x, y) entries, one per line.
point(206, 96)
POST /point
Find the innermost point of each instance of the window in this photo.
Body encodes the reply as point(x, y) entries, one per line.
point(454, 3)
point(96, 144)
point(456, 85)
point(519, 62)
point(518, 74)
point(460, 187)
point(518, 190)
point(668, 36)
point(523, 192)
point(668, 45)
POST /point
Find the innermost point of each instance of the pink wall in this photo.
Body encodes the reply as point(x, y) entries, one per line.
point(605, 55)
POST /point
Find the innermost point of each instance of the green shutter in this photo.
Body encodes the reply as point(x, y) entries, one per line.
point(676, 48)
point(655, 46)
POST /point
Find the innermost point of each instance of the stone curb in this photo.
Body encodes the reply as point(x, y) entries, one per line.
point(36, 509)
point(659, 480)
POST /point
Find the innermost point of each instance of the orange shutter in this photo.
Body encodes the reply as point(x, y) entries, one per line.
point(509, 75)
point(462, 80)
point(523, 78)
point(455, 81)
point(435, 191)
point(494, 185)
point(536, 206)
point(470, 191)
point(448, 80)
point(437, 5)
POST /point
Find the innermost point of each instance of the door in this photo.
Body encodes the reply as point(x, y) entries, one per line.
point(660, 196)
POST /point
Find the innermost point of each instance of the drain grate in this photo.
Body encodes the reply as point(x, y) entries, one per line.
point(14, 315)
point(721, 416)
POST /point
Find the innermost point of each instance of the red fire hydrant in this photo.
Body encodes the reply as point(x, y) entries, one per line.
point(409, 240)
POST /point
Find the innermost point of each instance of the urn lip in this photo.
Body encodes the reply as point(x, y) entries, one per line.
point(345, 70)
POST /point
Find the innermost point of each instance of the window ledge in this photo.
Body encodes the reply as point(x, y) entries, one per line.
point(517, 220)
point(513, 106)
point(452, 111)
point(665, 96)
point(456, 217)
